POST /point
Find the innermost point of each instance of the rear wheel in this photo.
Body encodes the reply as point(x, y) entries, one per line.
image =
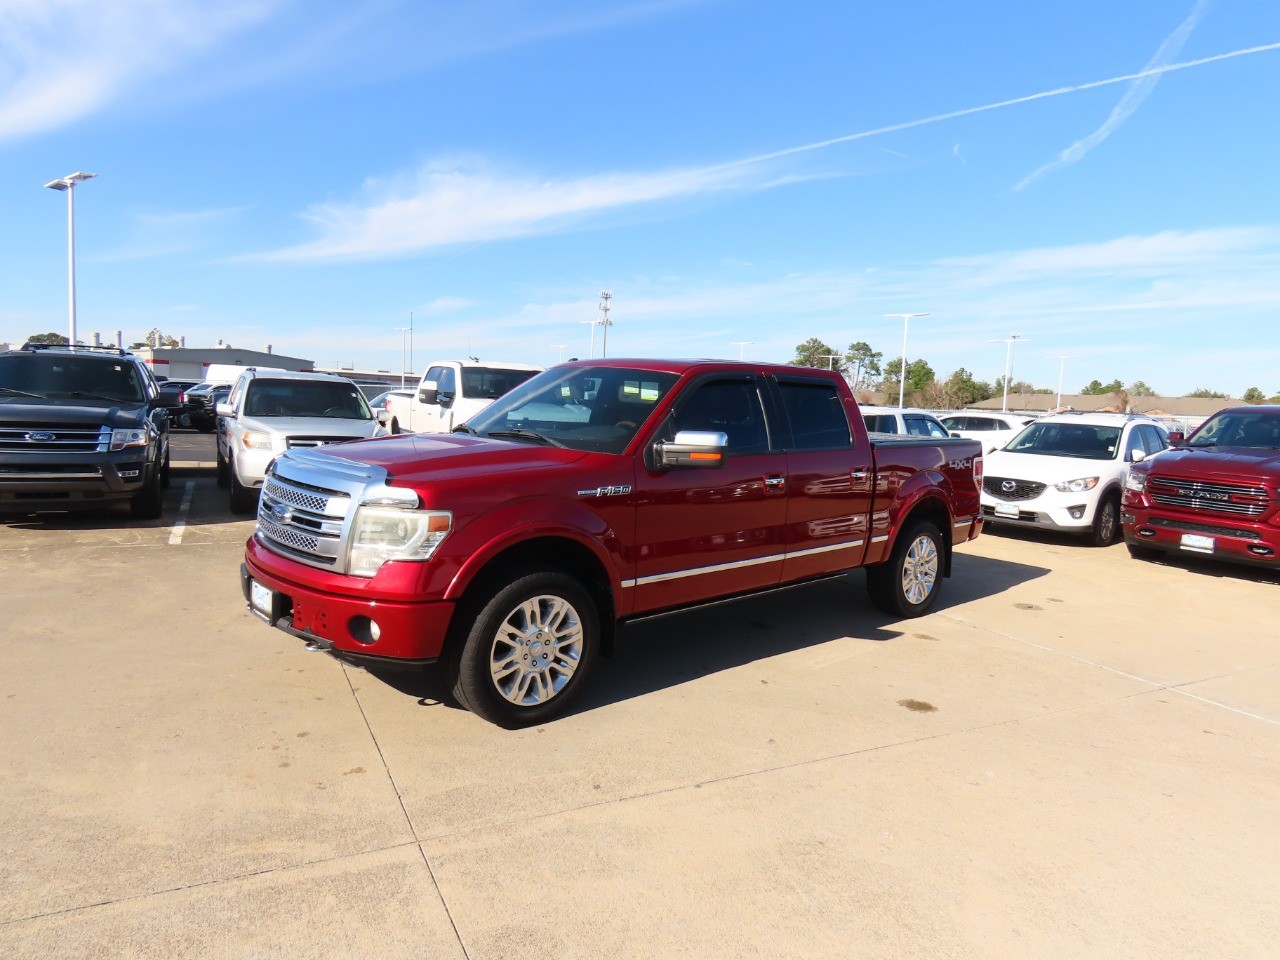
point(907, 584)
point(1106, 522)
point(528, 650)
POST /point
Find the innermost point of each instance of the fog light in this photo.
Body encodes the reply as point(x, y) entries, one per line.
point(1076, 512)
point(364, 630)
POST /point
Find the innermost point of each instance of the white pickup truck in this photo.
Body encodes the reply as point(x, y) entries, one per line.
point(450, 393)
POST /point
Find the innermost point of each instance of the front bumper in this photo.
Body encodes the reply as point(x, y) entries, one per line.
point(1227, 539)
point(1051, 510)
point(72, 481)
point(408, 634)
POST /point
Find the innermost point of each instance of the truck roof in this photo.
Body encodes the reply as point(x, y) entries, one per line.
point(683, 366)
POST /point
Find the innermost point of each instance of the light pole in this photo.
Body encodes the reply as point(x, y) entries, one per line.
point(742, 346)
point(831, 359)
point(605, 322)
point(902, 375)
point(1008, 364)
point(68, 183)
point(1062, 360)
point(560, 347)
point(593, 336)
point(403, 332)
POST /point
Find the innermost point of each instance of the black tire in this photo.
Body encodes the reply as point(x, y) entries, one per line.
point(1106, 521)
point(1139, 552)
point(205, 427)
point(243, 499)
point(148, 503)
point(166, 472)
point(223, 475)
point(502, 633)
point(395, 427)
point(908, 583)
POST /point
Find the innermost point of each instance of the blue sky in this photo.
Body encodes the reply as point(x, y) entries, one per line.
point(1098, 177)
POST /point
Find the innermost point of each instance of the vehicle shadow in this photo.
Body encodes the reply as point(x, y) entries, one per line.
point(662, 652)
point(1205, 567)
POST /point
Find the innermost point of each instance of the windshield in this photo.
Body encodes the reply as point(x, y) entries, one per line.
point(83, 378)
point(1086, 441)
point(305, 398)
point(583, 408)
point(1261, 430)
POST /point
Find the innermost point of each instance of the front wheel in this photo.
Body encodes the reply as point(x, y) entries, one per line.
point(395, 427)
point(1106, 522)
point(223, 476)
point(149, 503)
point(243, 499)
point(528, 651)
point(907, 584)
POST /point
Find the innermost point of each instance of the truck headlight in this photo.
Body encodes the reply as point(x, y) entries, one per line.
point(1136, 481)
point(256, 440)
point(379, 534)
point(1076, 486)
point(123, 439)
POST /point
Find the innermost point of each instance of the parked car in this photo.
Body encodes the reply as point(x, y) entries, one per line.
point(598, 492)
point(171, 400)
point(200, 403)
point(1216, 495)
point(267, 413)
point(992, 430)
point(1066, 473)
point(908, 421)
point(80, 427)
point(450, 393)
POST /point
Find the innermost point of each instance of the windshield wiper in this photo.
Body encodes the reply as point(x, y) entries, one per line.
point(95, 396)
point(463, 428)
point(527, 435)
point(11, 392)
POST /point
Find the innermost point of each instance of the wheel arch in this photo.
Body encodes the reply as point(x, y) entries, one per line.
point(933, 508)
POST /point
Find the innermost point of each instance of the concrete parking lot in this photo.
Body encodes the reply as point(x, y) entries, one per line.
point(1076, 755)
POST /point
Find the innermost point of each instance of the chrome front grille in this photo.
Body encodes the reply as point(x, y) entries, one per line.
point(53, 438)
point(303, 521)
point(1237, 499)
point(293, 443)
point(1005, 488)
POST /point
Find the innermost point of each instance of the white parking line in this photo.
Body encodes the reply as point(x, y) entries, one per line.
point(175, 535)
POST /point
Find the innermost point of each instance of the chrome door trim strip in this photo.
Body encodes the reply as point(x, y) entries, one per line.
point(738, 564)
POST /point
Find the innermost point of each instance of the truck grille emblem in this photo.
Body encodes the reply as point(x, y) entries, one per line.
point(41, 437)
point(1008, 486)
point(281, 513)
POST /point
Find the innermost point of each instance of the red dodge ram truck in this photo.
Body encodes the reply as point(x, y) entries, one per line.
point(596, 493)
point(1216, 494)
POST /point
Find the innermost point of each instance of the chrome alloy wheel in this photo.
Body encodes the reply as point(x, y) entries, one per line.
point(920, 569)
point(536, 650)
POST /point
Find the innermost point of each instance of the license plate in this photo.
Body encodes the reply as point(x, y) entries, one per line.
point(1196, 543)
point(260, 599)
point(1007, 510)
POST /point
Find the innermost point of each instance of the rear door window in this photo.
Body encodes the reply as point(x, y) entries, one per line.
point(815, 414)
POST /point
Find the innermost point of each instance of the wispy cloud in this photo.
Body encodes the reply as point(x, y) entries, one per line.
point(449, 203)
point(61, 60)
point(1138, 91)
point(150, 235)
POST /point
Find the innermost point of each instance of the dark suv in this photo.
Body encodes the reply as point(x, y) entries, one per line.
point(80, 427)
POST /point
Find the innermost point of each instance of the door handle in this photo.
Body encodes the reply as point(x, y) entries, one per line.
point(775, 483)
point(859, 473)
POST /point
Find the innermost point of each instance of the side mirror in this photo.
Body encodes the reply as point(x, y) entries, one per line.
point(1177, 438)
point(1137, 456)
point(693, 448)
point(430, 392)
point(955, 436)
point(224, 409)
point(382, 415)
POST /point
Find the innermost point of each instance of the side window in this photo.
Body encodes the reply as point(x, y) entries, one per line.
point(234, 397)
point(935, 428)
point(816, 415)
point(881, 423)
point(448, 381)
point(918, 426)
point(1134, 441)
point(1153, 440)
point(731, 407)
point(435, 374)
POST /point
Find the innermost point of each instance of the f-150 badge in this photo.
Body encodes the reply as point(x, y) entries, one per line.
point(620, 491)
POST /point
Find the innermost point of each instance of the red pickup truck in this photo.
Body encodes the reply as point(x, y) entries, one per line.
point(596, 493)
point(1216, 493)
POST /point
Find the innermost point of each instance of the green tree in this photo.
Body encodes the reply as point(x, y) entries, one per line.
point(57, 338)
point(1140, 389)
point(864, 361)
point(155, 339)
point(1207, 394)
point(919, 376)
point(815, 353)
point(1254, 395)
point(958, 390)
point(1096, 389)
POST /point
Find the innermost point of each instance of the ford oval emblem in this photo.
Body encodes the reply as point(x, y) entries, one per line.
point(281, 513)
point(41, 437)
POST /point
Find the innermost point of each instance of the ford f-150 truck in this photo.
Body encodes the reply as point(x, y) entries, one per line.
point(597, 493)
point(1216, 494)
point(450, 393)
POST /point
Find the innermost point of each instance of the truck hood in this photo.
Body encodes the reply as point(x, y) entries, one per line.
point(1253, 463)
point(412, 457)
point(72, 413)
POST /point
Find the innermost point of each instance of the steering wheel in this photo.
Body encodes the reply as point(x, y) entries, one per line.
point(334, 412)
point(625, 425)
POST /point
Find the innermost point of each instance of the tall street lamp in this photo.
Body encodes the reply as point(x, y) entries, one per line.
point(605, 322)
point(742, 346)
point(593, 323)
point(560, 347)
point(902, 376)
point(68, 183)
point(404, 331)
point(1008, 364)
point(1061, 363)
